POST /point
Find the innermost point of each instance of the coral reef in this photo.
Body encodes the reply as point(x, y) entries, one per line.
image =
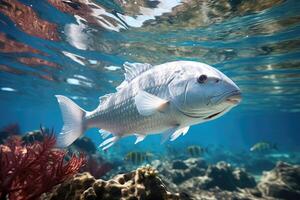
point(182, 179)
point(28, 170)
point(142, 183)
point(282, 182)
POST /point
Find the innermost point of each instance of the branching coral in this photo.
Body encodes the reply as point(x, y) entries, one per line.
point(28, 170)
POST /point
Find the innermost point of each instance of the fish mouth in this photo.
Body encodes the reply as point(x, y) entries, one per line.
point(233, 97)
point(213, 115)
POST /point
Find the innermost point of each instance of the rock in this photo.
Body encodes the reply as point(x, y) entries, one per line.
point(32, 136)
point(225, 177)
point(179, 171)
point(196, 162)
point(142, 183)
point(281, 182)
point(85, 144)
point(243, 179)
point(178, 164)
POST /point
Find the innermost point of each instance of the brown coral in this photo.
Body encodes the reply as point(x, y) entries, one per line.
point(27, 171)
point(142, 183)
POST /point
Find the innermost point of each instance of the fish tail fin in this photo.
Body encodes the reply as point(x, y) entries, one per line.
point(74, 123)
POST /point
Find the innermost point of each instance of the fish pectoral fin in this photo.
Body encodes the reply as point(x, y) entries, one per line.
point(167, 133)
point(139, 138)
point(147, 104)
point(178, 132)
point(104, 133)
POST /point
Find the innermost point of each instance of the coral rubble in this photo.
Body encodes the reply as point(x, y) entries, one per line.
point(28, 170)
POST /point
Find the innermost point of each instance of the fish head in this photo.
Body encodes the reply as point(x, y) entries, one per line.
point(201, 91)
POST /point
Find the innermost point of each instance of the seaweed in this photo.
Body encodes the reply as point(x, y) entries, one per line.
point(28, 170)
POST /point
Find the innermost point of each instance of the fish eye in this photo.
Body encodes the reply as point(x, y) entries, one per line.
point(201, 79)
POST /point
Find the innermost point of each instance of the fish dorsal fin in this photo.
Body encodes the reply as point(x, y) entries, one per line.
point(103, 98)
point(132, 70)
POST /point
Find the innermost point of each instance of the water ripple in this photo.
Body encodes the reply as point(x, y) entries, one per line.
point(77, 47)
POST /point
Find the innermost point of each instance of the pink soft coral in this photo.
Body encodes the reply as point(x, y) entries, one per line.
point(27, 171)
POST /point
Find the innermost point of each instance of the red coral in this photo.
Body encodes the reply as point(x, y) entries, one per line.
point(27, 171)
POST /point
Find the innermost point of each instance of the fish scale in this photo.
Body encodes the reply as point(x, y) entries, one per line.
point(126, 113)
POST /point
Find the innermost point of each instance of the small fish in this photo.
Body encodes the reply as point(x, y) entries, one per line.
point(196, 151)
point(263, 147)
point(166, 98)
point(138, 157)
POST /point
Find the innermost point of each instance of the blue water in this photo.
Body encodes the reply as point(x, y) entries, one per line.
point(77, 50)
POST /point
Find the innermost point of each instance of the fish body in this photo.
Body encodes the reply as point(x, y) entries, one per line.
point(263, 147)
point(166, 98)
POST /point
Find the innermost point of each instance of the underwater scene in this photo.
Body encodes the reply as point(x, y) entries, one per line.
point(150, 99)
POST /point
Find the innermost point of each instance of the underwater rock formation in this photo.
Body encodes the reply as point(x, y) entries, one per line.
point(194, 179)
point(179, 171)
point(85, 144)
point(219, 181)
point(282, 182)
point(142, 183)
point(9, 130)
point(223, 176)
point(28, 170)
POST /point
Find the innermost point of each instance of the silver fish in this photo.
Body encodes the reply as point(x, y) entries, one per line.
point(166, 98)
